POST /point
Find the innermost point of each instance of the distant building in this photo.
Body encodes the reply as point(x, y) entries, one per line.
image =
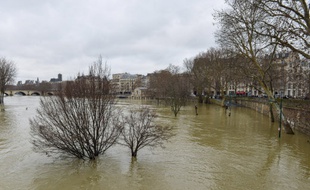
point(125, 83)
point(139, 93)
point(291, 78)
point(59, 79)
point(29, 82)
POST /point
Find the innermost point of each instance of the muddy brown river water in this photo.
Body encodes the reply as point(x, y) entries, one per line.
point(209, 151)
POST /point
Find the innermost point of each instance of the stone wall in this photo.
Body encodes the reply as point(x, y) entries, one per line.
point(296, 111)
point(299, 115)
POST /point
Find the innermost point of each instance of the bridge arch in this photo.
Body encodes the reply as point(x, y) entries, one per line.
point(29, 93)
point(20, 93)
point(35, 94)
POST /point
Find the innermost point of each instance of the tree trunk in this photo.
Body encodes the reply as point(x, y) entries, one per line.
point(134, 153)
point(287, 127)
point(1, 102)
point(271, 113)
point(223, 101)
point(1, 98)
point(200, 98)
point(207, 100)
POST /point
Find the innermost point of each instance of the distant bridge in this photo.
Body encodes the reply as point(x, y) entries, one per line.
point(28, 93)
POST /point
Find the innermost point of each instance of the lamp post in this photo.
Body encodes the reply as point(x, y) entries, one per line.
point(280, 117)
point(281, 98)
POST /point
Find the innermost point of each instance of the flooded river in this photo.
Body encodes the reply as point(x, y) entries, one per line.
point(209, 151)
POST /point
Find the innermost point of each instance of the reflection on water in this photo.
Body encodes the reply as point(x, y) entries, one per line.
point(209, 151)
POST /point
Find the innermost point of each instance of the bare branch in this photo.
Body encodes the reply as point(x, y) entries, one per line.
point(141, 131)
point(81, 120)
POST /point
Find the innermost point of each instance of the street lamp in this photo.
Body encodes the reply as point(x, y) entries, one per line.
point(281, 97)
point(280, 117)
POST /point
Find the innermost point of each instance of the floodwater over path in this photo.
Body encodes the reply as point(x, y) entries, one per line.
point(209, 151)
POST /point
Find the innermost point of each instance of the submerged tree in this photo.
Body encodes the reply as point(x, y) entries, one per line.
point(8, 72)
point(81, 120)
point(140, 130)
point(171, 86)
point(177, 90)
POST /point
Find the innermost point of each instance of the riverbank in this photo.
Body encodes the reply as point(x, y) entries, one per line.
point(296, 111)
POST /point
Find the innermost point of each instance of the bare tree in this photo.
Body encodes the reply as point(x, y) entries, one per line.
point(158, 84)
point(221, 70)
point(240, 29)
point(171, 86)
point(214, 69)
point(81, 120)
point(288, 22)
point(177, 89)
point(8, 72)
point(199, 76)
point(141, 131)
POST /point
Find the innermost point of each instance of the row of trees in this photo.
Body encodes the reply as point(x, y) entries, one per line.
point(212, 72)
point(251, 37)
point(257, 28)
point(83, 120)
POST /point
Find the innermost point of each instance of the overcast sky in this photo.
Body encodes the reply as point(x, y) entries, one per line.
point(45, 38)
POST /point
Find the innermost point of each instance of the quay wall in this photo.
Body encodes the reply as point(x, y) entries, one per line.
point(296, 111)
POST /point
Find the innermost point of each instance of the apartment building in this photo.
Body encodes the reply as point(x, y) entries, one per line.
point(126, 83)
point(291, 78)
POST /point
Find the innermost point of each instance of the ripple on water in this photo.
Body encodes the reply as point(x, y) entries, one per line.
point(208, 151)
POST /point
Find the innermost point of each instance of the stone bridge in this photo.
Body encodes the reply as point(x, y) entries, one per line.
point(28, 93)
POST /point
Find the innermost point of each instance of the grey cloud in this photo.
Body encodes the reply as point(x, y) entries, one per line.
point(134, 36)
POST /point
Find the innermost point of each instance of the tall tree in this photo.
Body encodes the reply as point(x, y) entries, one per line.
point(177, 89)
point(158, 84)
point(198, 75)
point(8, 73)
point(81, 120)
point(288, 23)
point(222, 71)
point(240, 29)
